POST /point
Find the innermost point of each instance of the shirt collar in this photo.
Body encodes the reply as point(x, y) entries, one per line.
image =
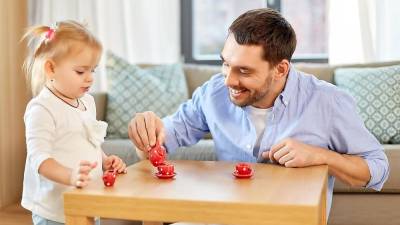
point(290, 86)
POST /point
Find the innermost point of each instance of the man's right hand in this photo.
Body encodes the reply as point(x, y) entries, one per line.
point(145, 129)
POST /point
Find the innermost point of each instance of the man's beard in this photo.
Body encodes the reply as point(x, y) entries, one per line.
point(250, 100)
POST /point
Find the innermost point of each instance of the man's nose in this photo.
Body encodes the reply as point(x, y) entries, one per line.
point(230, 78)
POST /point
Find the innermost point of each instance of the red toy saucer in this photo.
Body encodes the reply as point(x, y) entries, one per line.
point(242, 176)
point(164, 176)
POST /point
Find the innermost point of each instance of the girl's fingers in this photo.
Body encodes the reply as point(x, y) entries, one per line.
point(84, 169)
point(94, 164)
point(116, 161)
point(81, 184)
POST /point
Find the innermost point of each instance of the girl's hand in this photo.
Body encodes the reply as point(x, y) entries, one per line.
point(81, 176)
point(113, 162)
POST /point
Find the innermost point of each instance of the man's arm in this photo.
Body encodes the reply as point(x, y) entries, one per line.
point(188, 125)
point(184, 127)
point(350, 138)
point(350, 169)
point(354, 156)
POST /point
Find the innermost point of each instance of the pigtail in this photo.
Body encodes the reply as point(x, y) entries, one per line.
point(33, 65)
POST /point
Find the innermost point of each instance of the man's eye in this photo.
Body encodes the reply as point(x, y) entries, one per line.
point(244, 71)
point(79, 72)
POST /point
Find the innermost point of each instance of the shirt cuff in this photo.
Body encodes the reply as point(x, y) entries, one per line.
point(37, 160)
point(378, 173)
point(170, 143)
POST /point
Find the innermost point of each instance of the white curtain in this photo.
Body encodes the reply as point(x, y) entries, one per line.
point(363, 31)
point(141, 31)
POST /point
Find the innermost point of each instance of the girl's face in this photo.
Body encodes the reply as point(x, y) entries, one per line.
point(73, 76)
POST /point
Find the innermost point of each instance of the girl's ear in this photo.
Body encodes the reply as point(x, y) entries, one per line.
point(49, 68)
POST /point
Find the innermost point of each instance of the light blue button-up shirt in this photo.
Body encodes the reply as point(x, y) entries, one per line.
point(308, 110)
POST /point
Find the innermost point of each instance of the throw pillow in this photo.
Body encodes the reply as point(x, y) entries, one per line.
point(377, 93)
point(132, 89)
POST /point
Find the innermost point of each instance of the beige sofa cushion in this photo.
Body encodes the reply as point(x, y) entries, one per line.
point(325, 71)
point(101, 105)
point(196, 75)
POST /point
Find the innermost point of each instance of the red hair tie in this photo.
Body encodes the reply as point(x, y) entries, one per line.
point(50, 34)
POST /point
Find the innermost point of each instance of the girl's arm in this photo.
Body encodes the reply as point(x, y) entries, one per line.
point(56, 172)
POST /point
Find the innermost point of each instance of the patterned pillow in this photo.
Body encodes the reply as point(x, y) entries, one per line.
point(377, 93)
point(131, 89)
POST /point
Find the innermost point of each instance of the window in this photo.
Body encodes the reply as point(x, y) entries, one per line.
point(205, 24)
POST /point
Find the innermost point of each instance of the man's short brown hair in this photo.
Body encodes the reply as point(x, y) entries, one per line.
point(268, 28)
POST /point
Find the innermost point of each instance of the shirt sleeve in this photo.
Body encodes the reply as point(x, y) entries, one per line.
point(39, 131)
point(188, 125)
point(350, 136)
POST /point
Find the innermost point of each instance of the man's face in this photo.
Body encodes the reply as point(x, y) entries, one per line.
point(248, 76)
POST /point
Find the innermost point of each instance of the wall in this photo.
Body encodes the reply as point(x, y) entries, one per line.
point(13, 98)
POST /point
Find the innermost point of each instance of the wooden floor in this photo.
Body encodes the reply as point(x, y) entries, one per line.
point(15, 215)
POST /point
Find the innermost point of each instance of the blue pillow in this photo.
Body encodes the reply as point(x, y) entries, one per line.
point(132, 89)
point(377, 93)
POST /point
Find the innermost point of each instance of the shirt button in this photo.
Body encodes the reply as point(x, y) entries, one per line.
point(248, 146)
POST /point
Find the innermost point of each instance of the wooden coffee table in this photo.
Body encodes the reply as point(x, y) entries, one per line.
point(207, 192)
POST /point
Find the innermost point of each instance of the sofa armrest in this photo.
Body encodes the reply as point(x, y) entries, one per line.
point(100, 99)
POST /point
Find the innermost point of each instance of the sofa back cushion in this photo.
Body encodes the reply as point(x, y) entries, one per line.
point(196, 75)
point(324, 71)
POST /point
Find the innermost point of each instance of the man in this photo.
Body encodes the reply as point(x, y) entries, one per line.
point(261, 109)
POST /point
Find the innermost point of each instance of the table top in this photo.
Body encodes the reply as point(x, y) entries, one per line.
point(201, 185)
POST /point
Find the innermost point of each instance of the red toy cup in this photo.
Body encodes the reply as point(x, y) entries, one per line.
point(166, 169)
point(109, 178)
point(243, 169)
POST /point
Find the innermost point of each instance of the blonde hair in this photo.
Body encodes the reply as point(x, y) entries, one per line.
point(56, 43)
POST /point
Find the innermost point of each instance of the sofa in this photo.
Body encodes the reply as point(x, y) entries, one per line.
point(350, 206)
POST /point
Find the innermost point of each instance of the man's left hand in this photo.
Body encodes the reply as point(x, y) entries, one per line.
point(293, 153)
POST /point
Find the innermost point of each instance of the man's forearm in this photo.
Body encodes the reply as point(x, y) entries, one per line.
point(351, 169)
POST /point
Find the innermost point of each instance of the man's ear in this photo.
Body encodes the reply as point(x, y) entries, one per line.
point(282, 69)
point(49, 68)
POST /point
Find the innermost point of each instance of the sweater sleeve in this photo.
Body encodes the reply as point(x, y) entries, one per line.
point(40, 133)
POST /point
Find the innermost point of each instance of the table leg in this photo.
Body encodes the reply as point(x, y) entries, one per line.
point(323, 205)
point(79, 220)
point(152, 223)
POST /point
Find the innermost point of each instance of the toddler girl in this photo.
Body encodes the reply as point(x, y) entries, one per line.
point(62, 134)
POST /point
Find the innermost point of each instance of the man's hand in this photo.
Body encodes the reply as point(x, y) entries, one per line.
point(113, 162)
point(292, 153)
point(145, 129)
point(350, 169)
